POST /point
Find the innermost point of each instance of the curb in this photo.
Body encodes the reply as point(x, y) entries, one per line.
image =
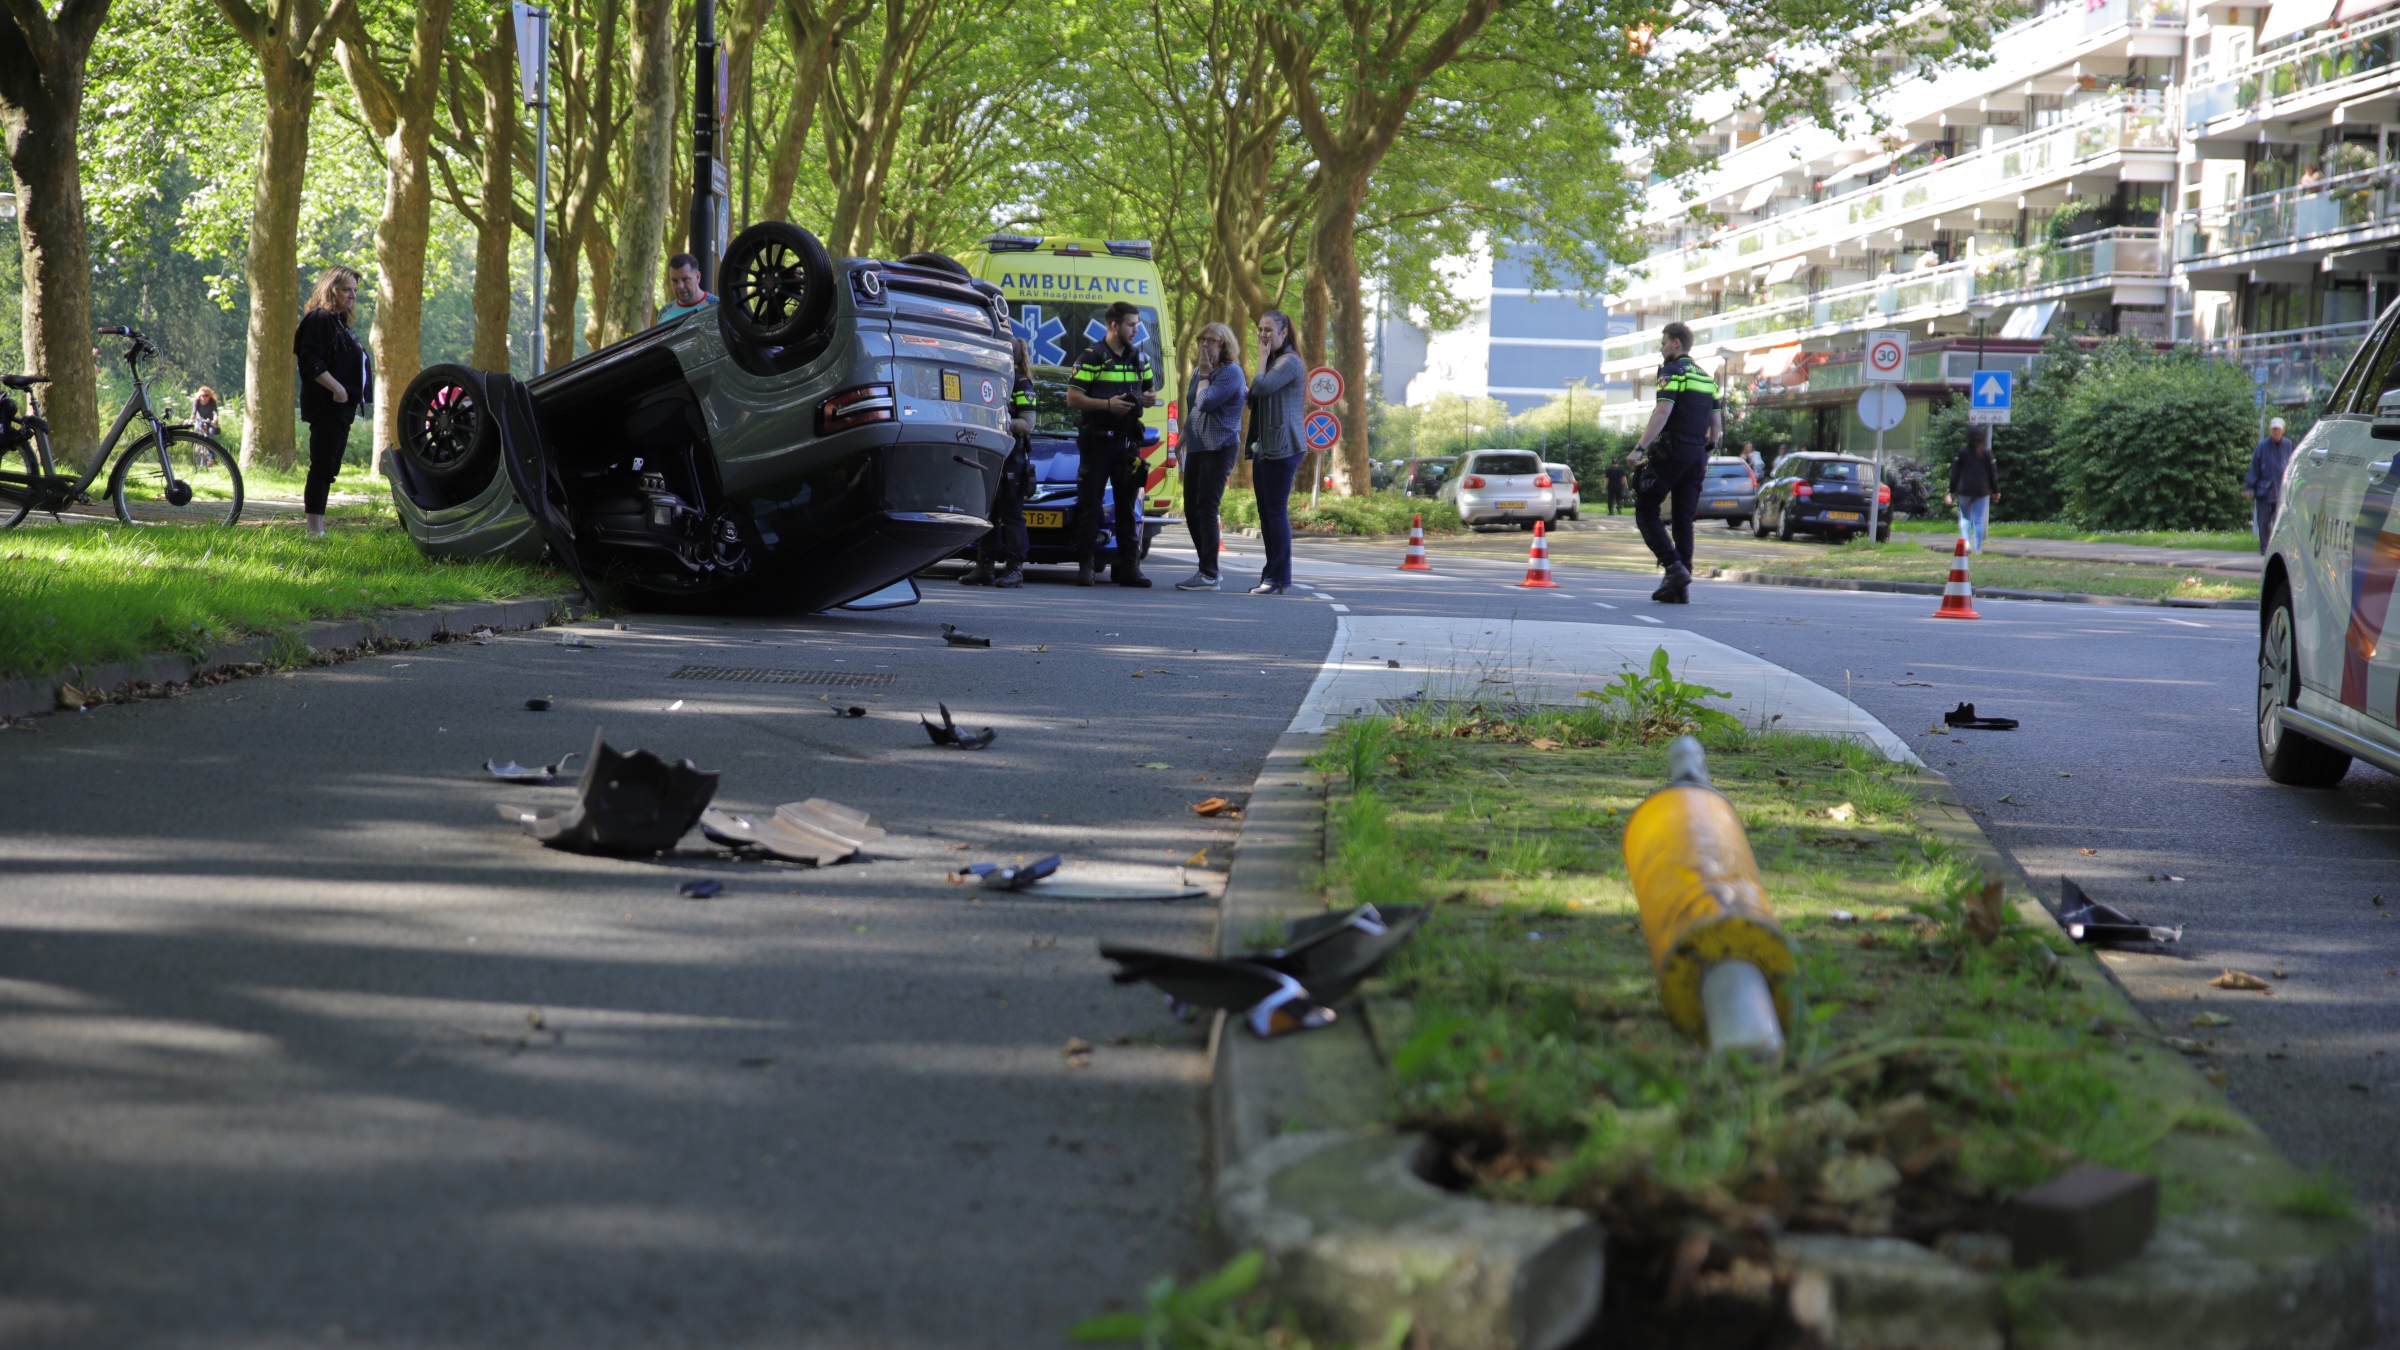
point(1306, 1170)
point(39, 694)
point(1981, 593)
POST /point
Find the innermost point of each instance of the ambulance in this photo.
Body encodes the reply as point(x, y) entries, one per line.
point(1057, 286)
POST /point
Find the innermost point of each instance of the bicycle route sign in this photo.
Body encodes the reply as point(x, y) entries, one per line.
point(1322, 430)
point(1324, 387)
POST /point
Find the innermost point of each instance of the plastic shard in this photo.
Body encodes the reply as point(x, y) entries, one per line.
point(2087, 920)
point(1323, 958)
point(513, 772)
point(1965, 718)
point(955, 638)
point(814, 831)
point(999, 878)
point(949, 734)
point(631, 804)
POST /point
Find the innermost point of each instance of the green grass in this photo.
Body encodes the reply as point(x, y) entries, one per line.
point(2230, 541)
point(85, 594)
point(1901, 561)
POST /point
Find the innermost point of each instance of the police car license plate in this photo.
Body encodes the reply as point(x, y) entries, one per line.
point(1045, 520)
point(951, 389)
point(1510, 506)
point(1843, 515)
point(1721, 506)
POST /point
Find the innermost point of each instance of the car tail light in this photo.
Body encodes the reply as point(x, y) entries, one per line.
point(1160, 503)
point(1754, 482)
point(856, 408)
point(1541, 480)
point(1471, 481)
point(1883, 495)
point(1803, 491)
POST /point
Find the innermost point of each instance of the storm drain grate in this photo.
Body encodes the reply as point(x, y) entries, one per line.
point(749, 675)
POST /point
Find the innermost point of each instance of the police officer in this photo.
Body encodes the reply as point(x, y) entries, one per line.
point(1007, 543)
point(1110, 388)
point(1684, 426)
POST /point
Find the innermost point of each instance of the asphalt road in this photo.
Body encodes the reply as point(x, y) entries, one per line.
point(300, 1043)
point(269, 962)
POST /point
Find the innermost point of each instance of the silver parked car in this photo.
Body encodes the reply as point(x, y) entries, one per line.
point(1728, 492)
point(1502, 487)
point(1568, 492)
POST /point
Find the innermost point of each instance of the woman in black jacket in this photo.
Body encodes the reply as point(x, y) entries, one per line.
point(336, 381)
point(1974, 486)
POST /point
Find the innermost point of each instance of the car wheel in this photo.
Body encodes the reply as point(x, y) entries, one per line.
point(940, 262)
point(2287, 756)
point(775, 286)
point(446, 433)
point(1758, 527)
point(1783, 527)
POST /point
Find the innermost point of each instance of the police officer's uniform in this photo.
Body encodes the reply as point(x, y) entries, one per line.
point(1110, 446)
point(1676, 465)
point(1007, 544)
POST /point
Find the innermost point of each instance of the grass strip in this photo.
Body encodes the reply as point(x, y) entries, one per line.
point(2228, 541)
point(1902, 561)
point(1931, 1074)
point(1377, 513)
point(87, 594)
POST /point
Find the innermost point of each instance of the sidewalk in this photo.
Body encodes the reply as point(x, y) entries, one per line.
point(2074, 550)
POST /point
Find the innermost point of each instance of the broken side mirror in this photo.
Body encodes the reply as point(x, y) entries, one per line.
point(900, 593)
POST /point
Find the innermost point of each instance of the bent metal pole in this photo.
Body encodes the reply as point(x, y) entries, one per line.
point(707, 186)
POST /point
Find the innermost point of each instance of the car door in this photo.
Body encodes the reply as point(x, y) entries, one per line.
point(2371, 635)
point(2339, 607)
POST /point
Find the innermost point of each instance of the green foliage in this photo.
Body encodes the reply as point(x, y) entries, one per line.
point(2321, 1195)
point(2152, 442)
point(1659, 705)
point(1224, 1311)
point(2029, 486)
point(1376, 513)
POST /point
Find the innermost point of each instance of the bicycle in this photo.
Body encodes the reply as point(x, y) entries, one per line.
point(170, 473)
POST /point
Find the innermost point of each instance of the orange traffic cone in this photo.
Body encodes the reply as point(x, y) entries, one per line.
point(1415, 561)
point(1958, 595)
point(1537, 563)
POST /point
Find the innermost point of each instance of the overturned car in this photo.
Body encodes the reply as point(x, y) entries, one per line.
point(824, 431)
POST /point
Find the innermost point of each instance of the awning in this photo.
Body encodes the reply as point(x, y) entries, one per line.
point(2029, 321)
point(2351, 9)
point(1787, 269)
point(1872, 163)
point(2294, 16)
point(1761, 193)
point(1772, 362)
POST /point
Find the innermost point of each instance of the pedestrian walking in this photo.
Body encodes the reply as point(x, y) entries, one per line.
point(687, 293)
point(1275, 449)
point(1974, 486)
point(1111, 386)
point(1685, 425)
point(2263, 485)
point(337, 381)
point(1006, 544)
point(1614, 480)
point(1212, 438)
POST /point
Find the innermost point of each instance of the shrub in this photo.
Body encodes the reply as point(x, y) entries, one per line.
point(2029, 486)
point(2148, 442)
point(1373, 513)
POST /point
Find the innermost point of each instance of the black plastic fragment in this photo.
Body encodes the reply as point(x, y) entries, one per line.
point(2089, 921)
point(852, 711)
point(537, 705)
point(1964, 718)
point(1285, 989)
point(626, 804)
point(949, 734)
point(955, 638)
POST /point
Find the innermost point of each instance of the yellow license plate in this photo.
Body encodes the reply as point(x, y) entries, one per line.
point(951, 389)
point(1843, 515)
point(1510, 506)
point(1045, 520)
point(1721, 506)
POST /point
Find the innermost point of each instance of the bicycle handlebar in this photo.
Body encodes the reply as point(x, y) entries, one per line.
point(141, 344)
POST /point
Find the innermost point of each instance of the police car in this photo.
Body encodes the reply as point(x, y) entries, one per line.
point(2329, 624)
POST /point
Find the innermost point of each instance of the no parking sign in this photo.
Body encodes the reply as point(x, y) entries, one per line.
point(1322, 430)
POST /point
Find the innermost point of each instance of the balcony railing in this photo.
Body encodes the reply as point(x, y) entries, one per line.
point(2349, 55)
point(2131, 122)
point(2341, 203)
point(2087, 262)
point(2294, 364)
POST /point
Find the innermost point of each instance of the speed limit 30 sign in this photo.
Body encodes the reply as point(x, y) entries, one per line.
point(1886, 354)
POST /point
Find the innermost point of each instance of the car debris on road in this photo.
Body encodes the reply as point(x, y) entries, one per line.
point(949, 734)
point(2088, 921)
point(955, 638)
point(513, 772)
point(1286, 989)
point(628, 804)
point(1964, 717)
point(814, 831)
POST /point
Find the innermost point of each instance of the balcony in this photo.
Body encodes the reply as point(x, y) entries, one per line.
point(2100, 129)
point(2301, 79)
point(2293, 365)
point(2131, 262)
point(2325, 214)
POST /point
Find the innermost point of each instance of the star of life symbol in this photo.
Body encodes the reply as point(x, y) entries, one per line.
point(1041, 333)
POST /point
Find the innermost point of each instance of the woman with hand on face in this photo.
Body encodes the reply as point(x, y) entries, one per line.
point(1212, 437)
point(336, 381)
point(1275, 449)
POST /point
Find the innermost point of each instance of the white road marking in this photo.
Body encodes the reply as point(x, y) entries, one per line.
point(2185, 622)
point(1339, 609)
point(1647, 619)
point(1321, 595)
point(1604, 604)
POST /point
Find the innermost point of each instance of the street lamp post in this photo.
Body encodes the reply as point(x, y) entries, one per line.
point(533, 78)
point(1981, 311)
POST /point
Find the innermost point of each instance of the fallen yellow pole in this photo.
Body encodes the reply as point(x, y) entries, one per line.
point(1724, 968)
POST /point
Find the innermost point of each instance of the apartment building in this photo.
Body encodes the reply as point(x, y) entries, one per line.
point(2028, 197)
point(1524, 343)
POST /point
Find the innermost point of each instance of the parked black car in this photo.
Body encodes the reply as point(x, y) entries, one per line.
point(826, 430)
point(1424, 477)
point(1821, 494)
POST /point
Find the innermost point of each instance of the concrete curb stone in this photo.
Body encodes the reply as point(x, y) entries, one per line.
point(1748, 577)
point(28, 697)
point(1306, 1170)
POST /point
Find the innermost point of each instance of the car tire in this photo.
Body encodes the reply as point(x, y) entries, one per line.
point(1758, 527)
point(1783, 526)
point(446, 432)
point(2287, 756)
point(775, 286)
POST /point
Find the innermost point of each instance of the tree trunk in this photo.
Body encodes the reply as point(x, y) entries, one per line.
point(812, 33)
point(40, 133)
point(270, 406)
point(642, 198)
point(495, 229)
point(601, 253)
point(1335, 273)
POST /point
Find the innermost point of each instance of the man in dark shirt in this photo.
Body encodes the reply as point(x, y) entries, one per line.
point(1110, 388)
point(1673, 455)
point(2263, 485)
point(1007, 544)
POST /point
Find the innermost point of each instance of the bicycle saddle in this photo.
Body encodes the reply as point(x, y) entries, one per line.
point(23, 381)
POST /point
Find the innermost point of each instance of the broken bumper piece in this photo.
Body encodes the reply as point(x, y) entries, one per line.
point(631, 805)
point(814, 831)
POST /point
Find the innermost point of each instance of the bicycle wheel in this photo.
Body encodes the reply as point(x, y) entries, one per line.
point(207, 489)
point(20, 472)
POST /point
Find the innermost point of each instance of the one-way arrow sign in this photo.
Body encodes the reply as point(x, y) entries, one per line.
point(1990, 395)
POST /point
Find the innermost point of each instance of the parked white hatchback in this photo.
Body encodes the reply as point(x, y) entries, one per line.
point(1502, 487)
point(2329, 613)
